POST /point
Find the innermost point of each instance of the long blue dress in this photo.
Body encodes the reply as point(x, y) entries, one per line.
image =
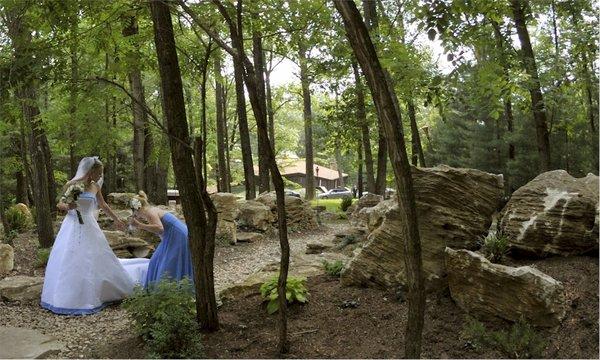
point(172, 257)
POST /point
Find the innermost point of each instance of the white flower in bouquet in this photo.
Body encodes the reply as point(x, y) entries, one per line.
point(135, 205)
point(71, 195)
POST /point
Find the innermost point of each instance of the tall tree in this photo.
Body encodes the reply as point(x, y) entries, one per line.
point(382, 93)
point(537, 99)
point(223, 182)
point(307, 113)
point(361, 115)
point(198, 208)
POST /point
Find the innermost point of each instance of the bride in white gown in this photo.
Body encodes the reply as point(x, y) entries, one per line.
point(83, 274)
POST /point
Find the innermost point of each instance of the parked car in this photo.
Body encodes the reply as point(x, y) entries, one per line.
point(289, 192)
point(338, 193)
point(320, 189)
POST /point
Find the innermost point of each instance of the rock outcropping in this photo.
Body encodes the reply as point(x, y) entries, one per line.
point(554, 214)
point(486, 289)
point(454, 208)
point(300, 216)
point(125, 246)
point(7, 259)
point(21, 288)
point(254, 216)
point(227, 209)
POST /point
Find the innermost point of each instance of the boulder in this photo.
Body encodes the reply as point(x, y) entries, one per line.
point(20, 343)
point(125, 246)
point(366, 201)
point(249, 237)
point(226, 233)
point(119, 200)
point(21, 288)
point(106, 221)
point(454, 208)
point(254, 215)
point(300, 266)
point(226, 205)
point(485, 289)
point(300, 215)
point(554, 214)
point(372, 217)
point(7, 259)
point(24, 210)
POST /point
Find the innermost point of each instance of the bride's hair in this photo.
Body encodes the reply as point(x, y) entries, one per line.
point(143, 198)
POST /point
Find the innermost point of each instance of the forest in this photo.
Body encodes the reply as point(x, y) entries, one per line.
point(451, 126)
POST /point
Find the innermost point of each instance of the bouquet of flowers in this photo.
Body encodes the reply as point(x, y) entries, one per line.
point(135, 205)
point(70, 197)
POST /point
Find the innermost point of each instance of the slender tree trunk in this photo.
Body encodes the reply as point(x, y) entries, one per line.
point(417, 149)
point(360, 170)
point(308, 138)
point(382, 94)
point(21, 179)
point(238, 67)
point(270, 112)
point(364, 128)
point(338, 161)
point(73, 94)
point(537, 98)
point(222, 177)
point(263, 142)
point(198, 209)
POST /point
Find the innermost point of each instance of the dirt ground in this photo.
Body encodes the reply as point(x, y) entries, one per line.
point(324, 328)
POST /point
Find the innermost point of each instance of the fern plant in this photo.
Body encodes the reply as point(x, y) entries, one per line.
point(494, 246)
point(345, 203)
point(295, 291)
point(333, 268)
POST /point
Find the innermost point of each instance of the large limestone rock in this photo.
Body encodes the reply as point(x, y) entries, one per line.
point(454, 208)
point(300, 215)
point(554, 214)
point(125, 246)
point(21, 288)
point(20, 343)
point(226, 205)
point(254, 215)
point(372, 217)
point(7, 259)
point(300, 266)
point(366, 201)
point(486, 289)
point(119, 200)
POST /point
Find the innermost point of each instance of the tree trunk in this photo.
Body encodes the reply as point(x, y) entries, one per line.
point(417, 149)
point(238, 67)
point(222, 175)
point(364, 128)
point(360, 171)
point(270, 111)
point(263, 142)
point(198, 209)
point(73, 94)
point(338, 162)
point(382, 93)
point(308, 141)
point(537, 98)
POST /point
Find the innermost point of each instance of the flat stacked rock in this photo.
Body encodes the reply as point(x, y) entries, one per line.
point(367, 201)
point(454, 208)
point(7, 259)
point(249, 237)
point(21, 288)
point(485, 289)
point(125, 246)
point(554, 214)
point(254, 216)
point(372, 217)
point(119, 200)
point(300, 216)
point(226, 205)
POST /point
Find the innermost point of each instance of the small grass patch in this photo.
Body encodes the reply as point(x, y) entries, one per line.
point(331, 205)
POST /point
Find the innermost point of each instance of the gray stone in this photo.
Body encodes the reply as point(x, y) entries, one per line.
point(7, 258)
point(486, 289)
point(254, 215)
point(454, 208)
point(299, 214)
point(249, 237)
point(21, 288)
point(554, 214)
point(20, 343)
point(121, 242)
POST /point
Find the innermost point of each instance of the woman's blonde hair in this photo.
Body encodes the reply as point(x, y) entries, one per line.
point(143, 198)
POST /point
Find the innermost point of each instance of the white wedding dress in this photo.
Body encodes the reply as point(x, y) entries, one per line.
point(83, 274)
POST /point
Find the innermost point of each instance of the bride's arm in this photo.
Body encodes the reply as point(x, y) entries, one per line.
point(104, 206)
point(154, 224)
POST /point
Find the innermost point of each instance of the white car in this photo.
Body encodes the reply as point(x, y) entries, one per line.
point(338, 193)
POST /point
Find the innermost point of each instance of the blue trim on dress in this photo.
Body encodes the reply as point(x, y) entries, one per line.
point(65, 311)
point(87, 197)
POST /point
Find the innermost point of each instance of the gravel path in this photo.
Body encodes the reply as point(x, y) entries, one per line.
point(82, 334)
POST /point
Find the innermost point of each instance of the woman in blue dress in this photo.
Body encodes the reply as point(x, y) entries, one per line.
point(172, 258)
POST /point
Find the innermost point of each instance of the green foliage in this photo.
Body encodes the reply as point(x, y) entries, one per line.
point(10, 236)
point(42, 257)
point(165, 318)
point(494, 246)
point(520, 341)
point(333, 268)
point(295, 292)
point(16, 219)
point(345, 203)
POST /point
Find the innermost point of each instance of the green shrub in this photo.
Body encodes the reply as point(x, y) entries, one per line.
point(42, 257)
point(165, 318)
point(342, 216)
point(295, 292)
point(520, 341)
point(17, 219)
point(333, 268)
point(345, 203)
point(10, 236)
point(494, 246)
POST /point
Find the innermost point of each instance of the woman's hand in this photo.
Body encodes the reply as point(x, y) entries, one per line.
point(66, 207)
